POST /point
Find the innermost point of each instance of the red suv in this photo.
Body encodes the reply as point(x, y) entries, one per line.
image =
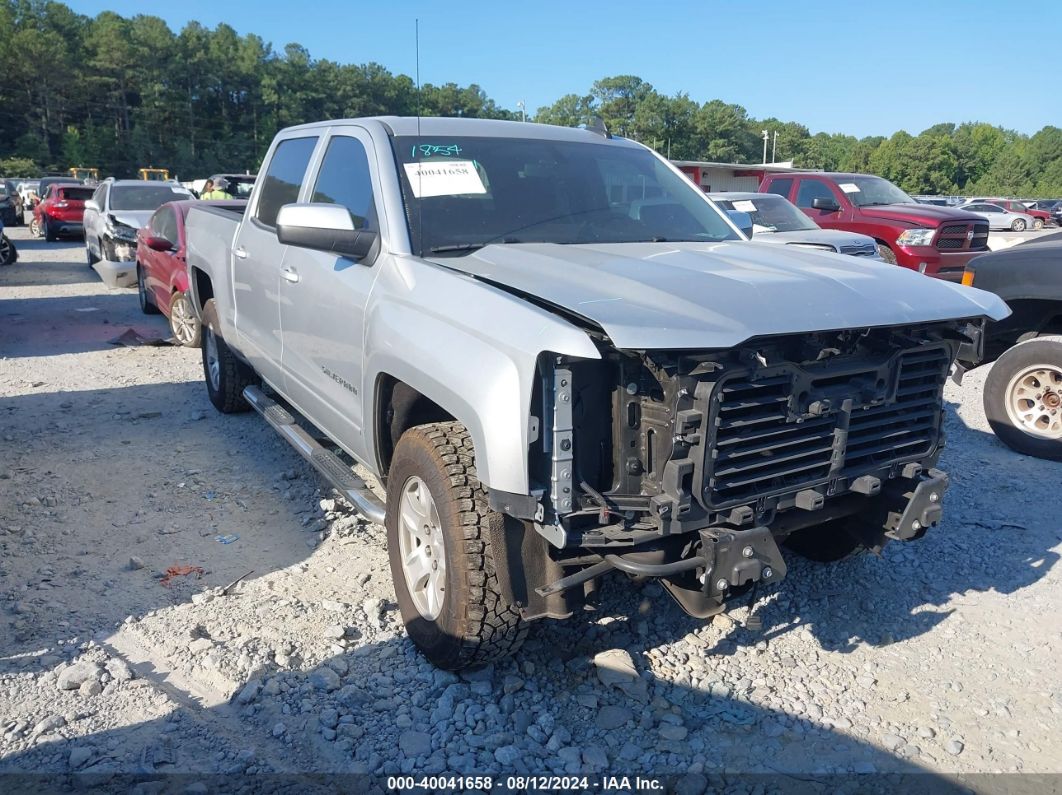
point(936, 241)
point(60, 211)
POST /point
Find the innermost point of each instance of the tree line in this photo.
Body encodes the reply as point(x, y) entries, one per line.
point(122, 93)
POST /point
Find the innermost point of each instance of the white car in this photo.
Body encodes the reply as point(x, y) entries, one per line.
point(999, 217)
point(116, 211)
point(775, 219)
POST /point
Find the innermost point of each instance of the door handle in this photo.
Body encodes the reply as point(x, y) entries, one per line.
point(240, 252)
point(290, 274)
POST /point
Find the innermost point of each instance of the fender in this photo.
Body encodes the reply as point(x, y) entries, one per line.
point(470, 347)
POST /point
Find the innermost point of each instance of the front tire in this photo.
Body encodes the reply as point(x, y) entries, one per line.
point(183, 322)
point(443, 562)
point(1038, 224)
point(35, 227)
point(1018, 225)
point(147, 305)
point(886, 254)
point(1023, 398)
point(89, 256)
point(226, 376)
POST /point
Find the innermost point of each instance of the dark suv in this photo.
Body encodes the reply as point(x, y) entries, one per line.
point(936, 241)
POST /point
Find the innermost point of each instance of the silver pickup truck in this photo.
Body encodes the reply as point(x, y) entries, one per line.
point(562, 361)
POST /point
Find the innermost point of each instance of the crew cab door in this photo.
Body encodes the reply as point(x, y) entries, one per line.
point(323, 296)
point(833, 203)
point(257, 257)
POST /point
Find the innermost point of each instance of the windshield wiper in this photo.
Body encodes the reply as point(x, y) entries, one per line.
point(470, 246)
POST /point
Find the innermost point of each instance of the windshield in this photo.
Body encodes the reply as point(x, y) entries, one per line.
point(770, 214)
point(465, 193)
point(240, 187)
point(868, 191)
point(144, 197)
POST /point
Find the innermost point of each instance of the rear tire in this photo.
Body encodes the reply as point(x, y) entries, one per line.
point(469, 621)
point(226, 376)
point(8, 252)
point(1022, 390)
point(147, 305)
point(183, 323)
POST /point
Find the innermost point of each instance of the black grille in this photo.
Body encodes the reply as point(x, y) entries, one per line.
point(953, 230)
point(907, 428)
point(756, 450)
point(950, 242)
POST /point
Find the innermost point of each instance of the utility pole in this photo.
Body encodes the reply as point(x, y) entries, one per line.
point(520, 105)
point(766, 138)
point(774, 148)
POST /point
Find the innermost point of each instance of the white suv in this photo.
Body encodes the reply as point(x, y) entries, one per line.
point(118, 208)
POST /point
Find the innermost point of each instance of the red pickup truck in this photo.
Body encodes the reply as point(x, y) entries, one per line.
point(936, 241)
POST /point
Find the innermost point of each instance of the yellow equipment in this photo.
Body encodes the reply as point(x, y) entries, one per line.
point(85, 173)
point(155, 174)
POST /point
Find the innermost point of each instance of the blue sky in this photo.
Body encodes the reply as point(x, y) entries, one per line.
point(863, 68)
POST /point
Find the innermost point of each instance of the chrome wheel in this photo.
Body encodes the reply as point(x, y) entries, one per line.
point(1034, 401)
point(1018, 225)
point(183, 322)
point(1038, 224)
point(420, 545)
point(212, 360)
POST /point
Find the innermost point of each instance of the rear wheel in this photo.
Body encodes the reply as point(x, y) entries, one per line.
point(886, 254)
point(183, 322)
point(1018, 225)
point(8, 253)
point(443, 560)
point(226, 376)
point(147, 306)
point(1023, 398)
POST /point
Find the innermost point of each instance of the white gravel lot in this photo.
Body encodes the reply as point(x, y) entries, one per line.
point(941, 656)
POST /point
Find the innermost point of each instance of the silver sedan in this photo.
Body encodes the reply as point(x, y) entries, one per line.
point(999, 217)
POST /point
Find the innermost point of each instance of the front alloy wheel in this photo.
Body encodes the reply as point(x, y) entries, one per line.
point(1018, 225)
point(420, 544)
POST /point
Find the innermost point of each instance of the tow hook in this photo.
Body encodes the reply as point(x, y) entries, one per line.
point(739, 557)
point(922, 509)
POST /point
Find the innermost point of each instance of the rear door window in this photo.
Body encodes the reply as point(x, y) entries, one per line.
point(781, 187)
point(283, 180)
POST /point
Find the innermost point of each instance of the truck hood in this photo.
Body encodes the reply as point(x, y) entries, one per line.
point(929, 215)
point(828, 237)
point(696, 296)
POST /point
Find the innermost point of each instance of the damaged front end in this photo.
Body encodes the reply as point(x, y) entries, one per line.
point(692, 467)
point(118, 242)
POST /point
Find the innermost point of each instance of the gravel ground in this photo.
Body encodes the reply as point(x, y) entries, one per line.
point(941, 655)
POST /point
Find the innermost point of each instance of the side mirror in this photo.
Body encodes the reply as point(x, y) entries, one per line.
point(156, 243)
point(829, 205)
point(741, 220)
point(92, 204)
point(324, 227)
